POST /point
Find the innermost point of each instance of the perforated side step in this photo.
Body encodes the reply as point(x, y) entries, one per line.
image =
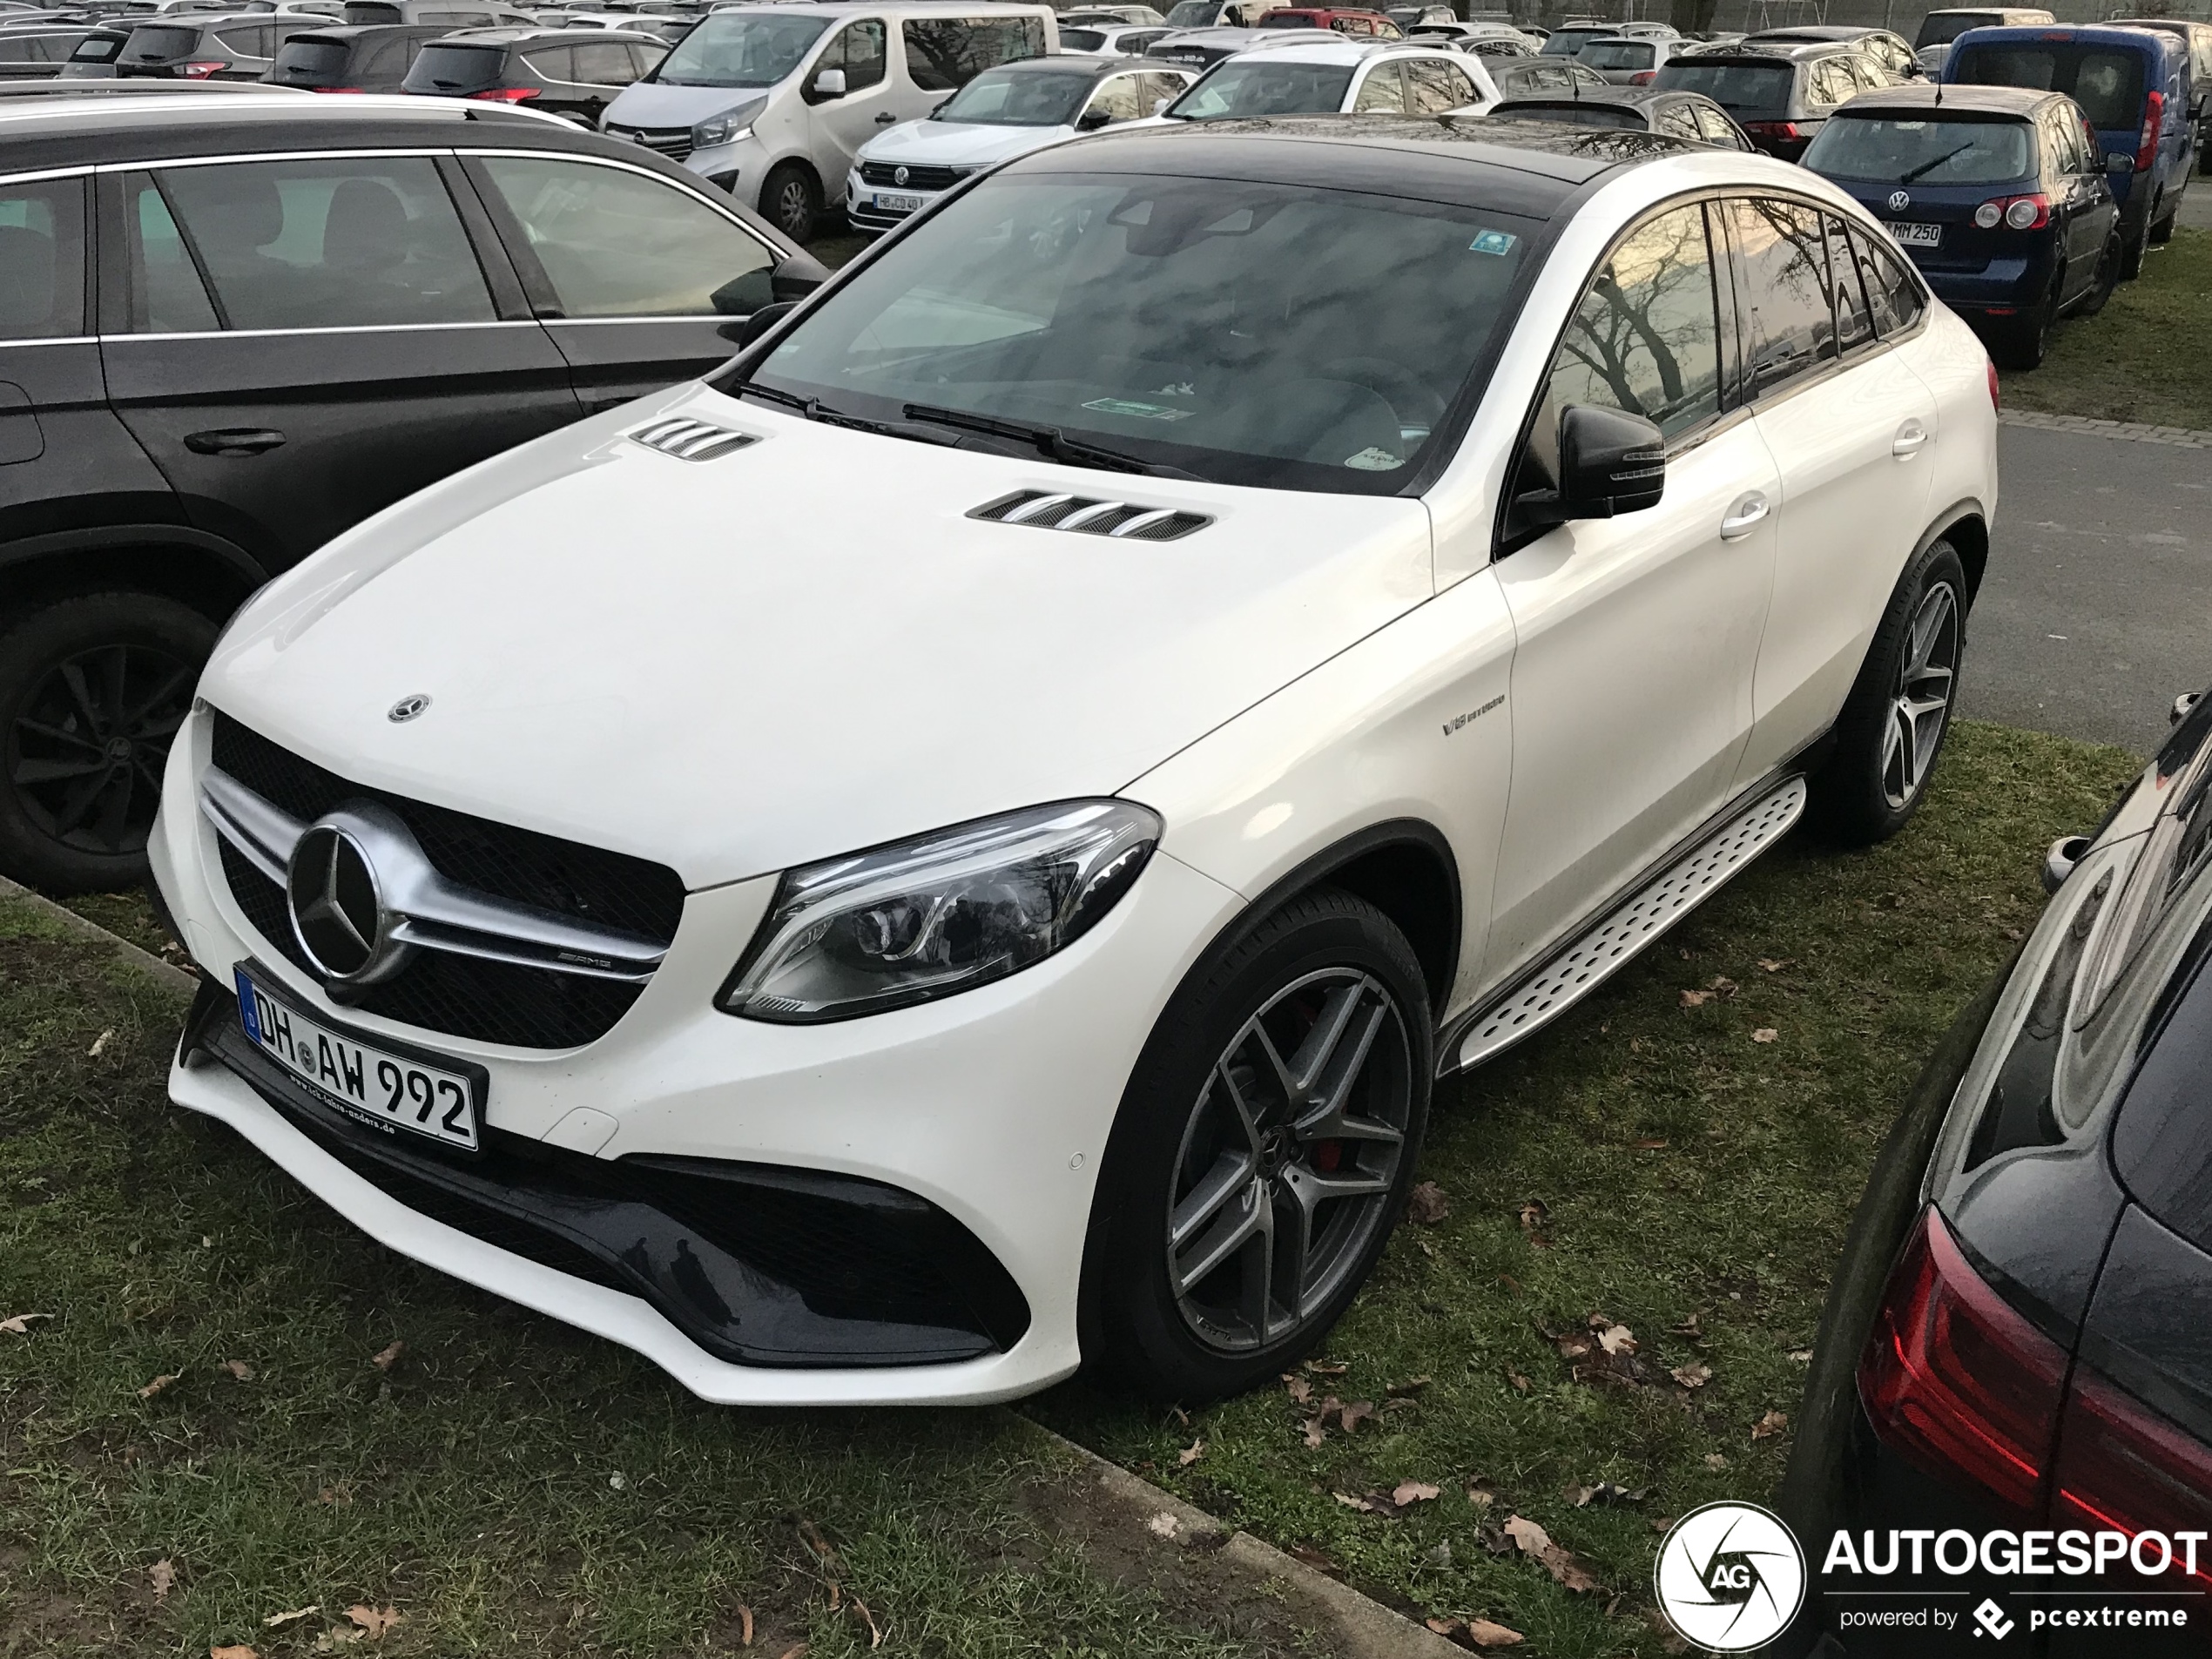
point(1594, 956)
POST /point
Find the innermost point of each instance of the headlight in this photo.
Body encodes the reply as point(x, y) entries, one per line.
point(727, 127)
point(944, 912)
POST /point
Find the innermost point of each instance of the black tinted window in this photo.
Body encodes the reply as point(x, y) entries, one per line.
point(858, 49)
point(306, 244)
point(605, 63)
point(157, 42)
point(1579, 115)
point(944, 53)
point(42, 260)
point(1917, 150)
point(2106, 81)
point(1646, 337)
point(1754, 90)
point(96, 48)
point(445, 66)
point(1437, 86)
point(550, 63)
point(309, 61)
point(1785, 271)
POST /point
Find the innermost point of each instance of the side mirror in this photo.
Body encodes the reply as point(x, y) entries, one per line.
point(743, 331)
point(795, 277)
point(1091, 120)
point(2119, 162)
point(830, 83)
point(2059, 861)
point(1610, 462)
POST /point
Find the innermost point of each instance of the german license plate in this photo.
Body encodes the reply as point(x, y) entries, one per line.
point(1917, 235)
point(368, 1082)
point(890, 203)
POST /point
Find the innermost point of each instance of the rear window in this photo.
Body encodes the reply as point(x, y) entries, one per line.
point(1617, 54)
point(96, 48)
point(1247, 87)
point(1575, 115)
point(306, 62)
point(152, 42)
point(1741, 89)
point(1930, 152)
point(2106, 81)
point(1287, 20)
point(449, 66)
point(1080, 40)
point(1941, 28)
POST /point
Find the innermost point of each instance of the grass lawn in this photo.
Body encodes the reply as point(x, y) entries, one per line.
point(2143, 358)
point(1688, 1180)
point(1692, 1178)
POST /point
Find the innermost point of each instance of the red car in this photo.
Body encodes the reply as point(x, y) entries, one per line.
point(1370, 23)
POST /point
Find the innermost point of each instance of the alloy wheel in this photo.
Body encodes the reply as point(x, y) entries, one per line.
point(1289, 1159)
point(87, 747)
point(1921, 702)
point(794, 210)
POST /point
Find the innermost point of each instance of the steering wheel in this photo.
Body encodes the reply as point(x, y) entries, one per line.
point(1408, 394)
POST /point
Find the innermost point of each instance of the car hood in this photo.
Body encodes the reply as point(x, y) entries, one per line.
point(649, 104)
point(802, 648)
point(960, 144)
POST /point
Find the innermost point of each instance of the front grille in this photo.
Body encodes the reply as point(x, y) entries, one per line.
point(1090, 515)
point(464, 996)
point(675, 143)
point(887, 173)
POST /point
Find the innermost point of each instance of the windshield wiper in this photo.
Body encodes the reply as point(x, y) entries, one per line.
point(1930, 167)
point(814, 408)
point(1051, 441)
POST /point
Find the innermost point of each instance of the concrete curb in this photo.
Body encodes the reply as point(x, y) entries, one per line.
point(1358, 1627)
point(1354, 1625)
point(2135, 431)
point(167, 975)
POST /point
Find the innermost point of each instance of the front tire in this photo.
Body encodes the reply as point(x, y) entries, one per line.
point(1265, 1147)
point(2106, 280)
point(92, 689)
point(791, 201)
point(1894, 722)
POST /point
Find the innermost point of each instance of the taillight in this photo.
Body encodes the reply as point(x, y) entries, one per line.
point(201, 71)
point(505, 94)
point(2019, 212)
point(1955, 1379)
point(1644, 77)
point(2123, 1468)
point(2154, 117)
point(1772, 129)
point(1995, 403)
point(338, 89)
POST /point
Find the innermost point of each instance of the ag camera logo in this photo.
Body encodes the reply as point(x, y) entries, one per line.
point(1729, 1578)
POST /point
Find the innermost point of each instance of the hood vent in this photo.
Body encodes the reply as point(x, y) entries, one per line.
point(690, 440)
point(1091, 515)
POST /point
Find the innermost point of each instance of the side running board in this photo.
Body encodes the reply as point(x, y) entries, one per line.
point(1609, 944)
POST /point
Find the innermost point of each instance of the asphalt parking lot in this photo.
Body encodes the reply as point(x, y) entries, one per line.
point(2091, 617)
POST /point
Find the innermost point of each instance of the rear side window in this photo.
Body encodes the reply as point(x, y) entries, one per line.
point(617, 243)
point(857, 51)
point(1384, 91)
point(2106, 81)
point(604, 63)
point(1646, 337)
point(1437, 86)
point(97, 49)
point(42, 260)
point(252, 42)
point(1784, 264)
point(316, 244)
point(944, 54)
point(1829, 81)
point(550, 63)
point(1717, 128)
point(1891, 295)
point(447, 66)
point(1117, 99)
point(1676, 121)
point(1854, 321)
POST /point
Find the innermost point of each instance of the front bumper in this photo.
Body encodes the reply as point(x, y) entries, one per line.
point(990, 1110)
point(862, 213)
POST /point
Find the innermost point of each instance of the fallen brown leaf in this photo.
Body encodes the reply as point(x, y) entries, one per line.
point(162, 1575)
point(238, 1369)
point(1604, 1491)
point(234, 1649)
point(1352, 1416)
point(1316, 1430)
point(1617, 1339)
point(337, 1497)
point(1488, 1633)
point(1413, 1492)
point(1649, 1143)
point(744, 1625)
point(338, 1636)
point(1428, 1205)
point(20, 1324)
point(1190, 1453)
point(1533, 1214)
point(278, 1621)
point(1695, 999)
point(1411, 1386)
point(1802, 1356)
point(1715, 1460)
point(1481, 1493)
point(1327, 1367)
point(1301, 1391)
point(157, 1385)
point(836, 1596)
point(1775, 965)
point(100, 1043)
point(876, 1631)
point(811, 1535)
point(1695, 1374)
point(1765, 1034)
point(1769, 1426)
point(1687, 1328)
point(1568, 1568)
point(1723, 986)
point(389, 1357)
point(797, 1652)
point(374, 1621)
point(1365, 1506)
point(1520, 1382)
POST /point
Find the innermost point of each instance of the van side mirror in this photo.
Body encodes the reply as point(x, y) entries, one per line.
point(830, 83)
point(2119, 162)
point(1610, 462)
point(1091, 120)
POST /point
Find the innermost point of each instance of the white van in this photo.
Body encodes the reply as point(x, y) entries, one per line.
point(769, 101)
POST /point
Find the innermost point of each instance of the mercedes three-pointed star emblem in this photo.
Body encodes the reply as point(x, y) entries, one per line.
point(337, 913)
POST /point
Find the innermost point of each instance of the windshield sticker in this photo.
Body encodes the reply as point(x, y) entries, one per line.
point(1493, 242)
point(1143, 411)
point(1375, 461)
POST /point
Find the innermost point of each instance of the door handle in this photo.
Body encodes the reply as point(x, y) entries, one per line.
point(1750, 509)
point(233, 441)
point(1912, 438)
point(885, 118)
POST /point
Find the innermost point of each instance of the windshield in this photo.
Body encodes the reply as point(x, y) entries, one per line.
point(1264, 334)
point(1001, 97)
point(1246, 86)
point(1737, 88)
point(1192, 14)
point(2106, 81)
point(1568, 42)
point(1941, 28)
point(1617, 54)
point(738, 49)
point(1923, 152)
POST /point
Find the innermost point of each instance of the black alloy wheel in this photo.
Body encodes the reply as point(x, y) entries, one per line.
point(1266, 1144)
point(93, 691)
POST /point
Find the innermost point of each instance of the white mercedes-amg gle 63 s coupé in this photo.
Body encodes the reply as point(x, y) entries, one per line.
point(961, 843)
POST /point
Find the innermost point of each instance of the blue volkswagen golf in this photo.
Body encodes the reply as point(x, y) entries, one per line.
point(1999, 195)
point(2134, 85)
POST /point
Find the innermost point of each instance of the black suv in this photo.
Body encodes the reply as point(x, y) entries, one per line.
point(1780, 95)
point(266, 351)
point(562, 72)
point(369, 57)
